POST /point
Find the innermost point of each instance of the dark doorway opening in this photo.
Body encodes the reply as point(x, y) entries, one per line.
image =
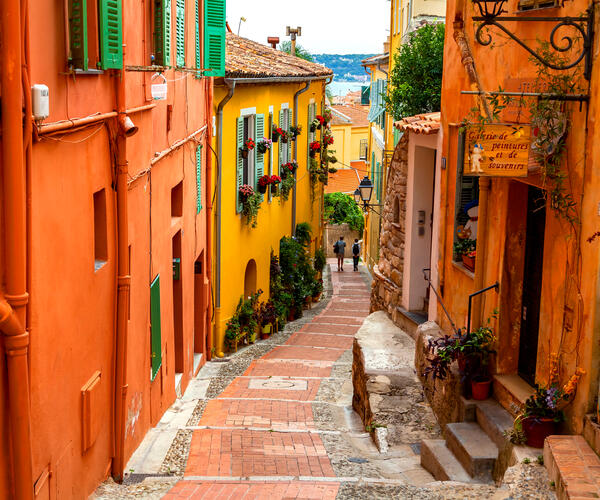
point(177, 303)
point(200, 306)
point(532, 283)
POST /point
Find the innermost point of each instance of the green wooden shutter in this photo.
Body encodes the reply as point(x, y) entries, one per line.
point(289, 124)
point(162, 32)
point(78, 34)
point(214, 37)
point(180, 32)
point(198, 58)
point(240, 162)
point(111, 34)
point(280, 149)
point(155, 335)
point(259, 158)
point(198, 179)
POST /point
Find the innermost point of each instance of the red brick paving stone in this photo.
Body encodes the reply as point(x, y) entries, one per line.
point(280, 367)
point(297, 352)
point(326, 328)
point(316, 339)
point(278, 415)
point(253, 490)
point(239, 389)
point(337, 320)
point(239, 452)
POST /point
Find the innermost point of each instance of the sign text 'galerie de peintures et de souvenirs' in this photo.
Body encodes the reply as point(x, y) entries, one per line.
point(497, 150)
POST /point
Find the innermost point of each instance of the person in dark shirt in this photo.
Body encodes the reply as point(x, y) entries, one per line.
point(340, 247)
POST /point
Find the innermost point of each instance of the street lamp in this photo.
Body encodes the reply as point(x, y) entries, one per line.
point(357, 196)
point(366, 189)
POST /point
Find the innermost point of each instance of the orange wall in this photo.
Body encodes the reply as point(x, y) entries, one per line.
point(580, 345)
point(72, 305)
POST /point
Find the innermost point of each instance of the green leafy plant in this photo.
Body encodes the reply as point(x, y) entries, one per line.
point(287, 184)
point(250, 208)
point(303, 233)
point(464, 247)
point(416, 78)
point(342, 209)
point(301, 52)
point(320, 259)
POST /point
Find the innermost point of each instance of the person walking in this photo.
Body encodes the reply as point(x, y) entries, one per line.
point(339, 248)
point(356, 253)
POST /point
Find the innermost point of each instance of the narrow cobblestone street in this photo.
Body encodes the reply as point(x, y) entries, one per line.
point(275, 421)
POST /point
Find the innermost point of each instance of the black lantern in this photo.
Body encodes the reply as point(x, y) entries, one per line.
point(490, 8)
point(357, 196)
point(366, 189)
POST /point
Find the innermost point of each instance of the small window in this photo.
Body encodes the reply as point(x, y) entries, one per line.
point(100, 230)
point(538, 4)
point(397, 210)
point(95, 35)
point(364, 145)
point(177, 200)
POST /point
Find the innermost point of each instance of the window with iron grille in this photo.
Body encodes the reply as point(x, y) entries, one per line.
point(538, 4)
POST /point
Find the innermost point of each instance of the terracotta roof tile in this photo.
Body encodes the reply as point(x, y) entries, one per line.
point(248, 59)
point(428, 123)
point(343, 181)
point(356, 115)
point(382, 58)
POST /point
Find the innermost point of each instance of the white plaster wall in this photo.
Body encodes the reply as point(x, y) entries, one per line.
point(435, 237)
point(419, 196)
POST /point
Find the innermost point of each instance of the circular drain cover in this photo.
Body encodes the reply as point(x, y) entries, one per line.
point(278, 384)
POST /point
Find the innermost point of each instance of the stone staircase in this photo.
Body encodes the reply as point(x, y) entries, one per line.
point(475, 450)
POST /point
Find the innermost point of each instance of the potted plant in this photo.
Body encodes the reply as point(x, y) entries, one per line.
point(295, 131)
point(465, 250)
point(250, 204)
point(313, 148)
point(284, 135)
point(267, 318)
point(263, 183)
point(247, 147)
point(327, 116)
point(264, 145)
point(275, 181)
point(317, 123)
point(476, 350)
point(287, 183)
point(543, 410)
point(233, 333)
point(320, 260)
point(317, 290)
point(276, 133)
point(327, 138)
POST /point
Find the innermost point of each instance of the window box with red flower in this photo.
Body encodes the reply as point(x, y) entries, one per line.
point(295, 131)
point(263, 183)
point(275, 181)
point(248, 146)
point(276, 133)
point(250, 204)
point(264, 145)
point(313, 148)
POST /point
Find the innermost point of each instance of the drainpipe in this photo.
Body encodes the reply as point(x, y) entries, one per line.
point(224, 101)
point(209, 209)
point(381, 69)
point(123, 279)
point(13, 311)
point(301, 91)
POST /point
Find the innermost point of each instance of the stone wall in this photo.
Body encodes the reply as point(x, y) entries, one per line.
point(333, 233)
point(386, 288)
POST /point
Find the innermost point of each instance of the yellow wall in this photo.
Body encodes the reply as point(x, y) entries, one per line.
point(347, 142)
point(240, 242)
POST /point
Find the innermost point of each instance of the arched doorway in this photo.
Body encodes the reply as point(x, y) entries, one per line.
point(250, 278)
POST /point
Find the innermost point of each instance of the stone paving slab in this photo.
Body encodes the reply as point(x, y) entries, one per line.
point(330, 328)
point(244, 388)
point(321, 340)
point(300, 353)
point(294, 368)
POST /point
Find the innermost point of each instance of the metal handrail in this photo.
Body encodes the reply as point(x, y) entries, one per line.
point(428, 279)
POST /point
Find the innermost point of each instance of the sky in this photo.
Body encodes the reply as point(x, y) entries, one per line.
point(328, 26)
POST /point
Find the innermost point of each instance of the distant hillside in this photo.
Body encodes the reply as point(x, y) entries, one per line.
point(346, 67)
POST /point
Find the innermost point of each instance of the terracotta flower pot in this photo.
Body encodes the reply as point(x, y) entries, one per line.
point(244, 153)
point(291, 314)
point(315, 298)
point(469, 262)
point(537, 430)
point(480, 388)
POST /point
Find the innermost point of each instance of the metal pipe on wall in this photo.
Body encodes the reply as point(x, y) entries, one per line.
point(14, 311)
point(209, 209)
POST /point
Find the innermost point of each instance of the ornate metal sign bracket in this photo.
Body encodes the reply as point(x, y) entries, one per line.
point(491, 11)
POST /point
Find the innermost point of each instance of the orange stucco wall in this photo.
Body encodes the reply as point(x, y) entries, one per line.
point(563, 266)
point(72, 305)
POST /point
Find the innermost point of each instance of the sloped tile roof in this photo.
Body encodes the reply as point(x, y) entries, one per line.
point(356, 115)
point(382, 58)
point(428, 123)
point(345, 180)
point(248, 59)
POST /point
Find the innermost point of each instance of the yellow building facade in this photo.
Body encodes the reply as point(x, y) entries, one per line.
point(272, 89)
point(350, 129)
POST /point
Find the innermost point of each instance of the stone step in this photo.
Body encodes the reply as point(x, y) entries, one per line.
point(441, 463)
point(473, 448)
point(494, 420)
point(511, 391)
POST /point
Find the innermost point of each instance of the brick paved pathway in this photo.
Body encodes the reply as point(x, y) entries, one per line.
point(259, 439)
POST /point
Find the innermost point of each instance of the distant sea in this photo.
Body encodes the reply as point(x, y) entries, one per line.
point(342, 88)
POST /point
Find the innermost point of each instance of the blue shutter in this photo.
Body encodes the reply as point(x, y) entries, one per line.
point(239, 174)
point(180, 32)
point(289, 145)
point(214, 37)
point(198, 179)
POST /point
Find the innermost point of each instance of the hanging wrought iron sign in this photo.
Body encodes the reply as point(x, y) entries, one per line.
point(491, 11)
point(497, 150)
